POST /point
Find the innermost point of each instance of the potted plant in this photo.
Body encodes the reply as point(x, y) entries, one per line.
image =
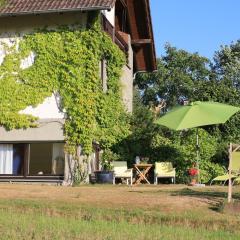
point(144, 160)
point(193, 173)
point(105, 175)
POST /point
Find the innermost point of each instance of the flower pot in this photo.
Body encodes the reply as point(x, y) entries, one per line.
point(193, 182)
point(104, 176)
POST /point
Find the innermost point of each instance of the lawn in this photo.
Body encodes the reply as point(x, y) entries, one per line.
point(116, 212)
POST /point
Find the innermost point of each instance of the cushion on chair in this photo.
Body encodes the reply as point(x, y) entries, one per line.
point(164, 169)
point(119, 167)
point(235, 168)
point(236, 162)
point(121, 170)
point(126, 174)
point(223, 177)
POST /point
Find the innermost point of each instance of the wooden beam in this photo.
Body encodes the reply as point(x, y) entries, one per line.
point(144, 50)
point(123, 3)
point(141, 41)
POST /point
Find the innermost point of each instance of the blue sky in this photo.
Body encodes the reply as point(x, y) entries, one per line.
point(195, 25)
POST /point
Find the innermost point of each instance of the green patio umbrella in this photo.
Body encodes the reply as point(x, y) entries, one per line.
point(197, 114)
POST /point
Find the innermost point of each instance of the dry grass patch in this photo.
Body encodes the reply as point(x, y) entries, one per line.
point(146, 197)
point(175, 210)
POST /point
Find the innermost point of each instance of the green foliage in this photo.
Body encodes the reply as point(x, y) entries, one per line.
point(226, 69)
point(107, 158)
point(180, 149)
point(67, 63)
point(185, 76)
point(208, 145)
point(3, 3)
point(73, 216)
point(162, 144)
point(77, 176)
point(142, 129)
point(15, 95)
point(227, 65)
point(179, 72)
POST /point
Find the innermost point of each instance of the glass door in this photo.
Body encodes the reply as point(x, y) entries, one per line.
point(18, 159)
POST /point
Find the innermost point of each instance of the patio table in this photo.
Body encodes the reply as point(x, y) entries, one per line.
point(142, 170)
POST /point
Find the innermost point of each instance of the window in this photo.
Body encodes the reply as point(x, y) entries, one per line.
point(32, 159)
point(12, 159)
point(46, 159)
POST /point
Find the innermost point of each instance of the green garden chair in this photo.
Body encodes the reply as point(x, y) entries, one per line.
point(164, 170)
point(235, 170)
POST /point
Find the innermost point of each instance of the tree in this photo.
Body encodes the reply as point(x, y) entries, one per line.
point(179, 73)
point(226, 65)
point(188, 76)
point(142, 132)
point(226, 69)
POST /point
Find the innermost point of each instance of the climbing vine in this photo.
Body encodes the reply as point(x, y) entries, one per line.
point(66, 62)
point(3, 3)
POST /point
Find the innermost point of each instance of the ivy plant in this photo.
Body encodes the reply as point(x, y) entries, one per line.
point(66, 62)
point(3, 3)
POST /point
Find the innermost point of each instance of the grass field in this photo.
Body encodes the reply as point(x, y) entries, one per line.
point(116, 212)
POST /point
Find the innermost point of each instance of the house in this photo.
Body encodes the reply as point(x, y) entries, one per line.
point(37, 154)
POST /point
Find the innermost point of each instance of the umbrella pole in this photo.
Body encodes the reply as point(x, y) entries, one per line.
point(198, 178)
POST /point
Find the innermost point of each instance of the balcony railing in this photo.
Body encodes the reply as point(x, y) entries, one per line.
point(116, 37)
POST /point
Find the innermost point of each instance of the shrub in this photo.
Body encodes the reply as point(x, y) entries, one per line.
point(107, 158)
point(180, 149)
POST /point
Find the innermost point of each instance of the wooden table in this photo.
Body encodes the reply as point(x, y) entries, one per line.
point(142, 171)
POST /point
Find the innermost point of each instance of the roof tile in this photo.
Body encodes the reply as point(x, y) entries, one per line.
point(17, 7)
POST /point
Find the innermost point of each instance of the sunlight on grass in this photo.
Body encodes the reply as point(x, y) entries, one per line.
point(33, 217)
point(39, 226)
point(37, 220)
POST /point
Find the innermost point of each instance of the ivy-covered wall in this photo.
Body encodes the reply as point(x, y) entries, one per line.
point(3, 2)
point(66, 61)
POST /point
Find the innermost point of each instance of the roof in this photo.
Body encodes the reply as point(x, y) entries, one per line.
point(139, 16)
point(20, 7)
point(142, 35)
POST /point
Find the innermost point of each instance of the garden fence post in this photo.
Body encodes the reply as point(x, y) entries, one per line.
point(230, 174)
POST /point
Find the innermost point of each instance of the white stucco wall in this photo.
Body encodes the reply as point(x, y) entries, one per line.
point(48, 130)
point(127, 80)
point(2, 54)
point(12, 29)
point(48, 109)
point(110, 15)
point(21, 25)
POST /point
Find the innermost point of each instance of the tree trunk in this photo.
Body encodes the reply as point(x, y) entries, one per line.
point(68, 169)
point(76, 168)
point(83, 165)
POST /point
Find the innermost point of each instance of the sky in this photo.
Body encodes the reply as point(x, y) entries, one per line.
point(195, 25)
